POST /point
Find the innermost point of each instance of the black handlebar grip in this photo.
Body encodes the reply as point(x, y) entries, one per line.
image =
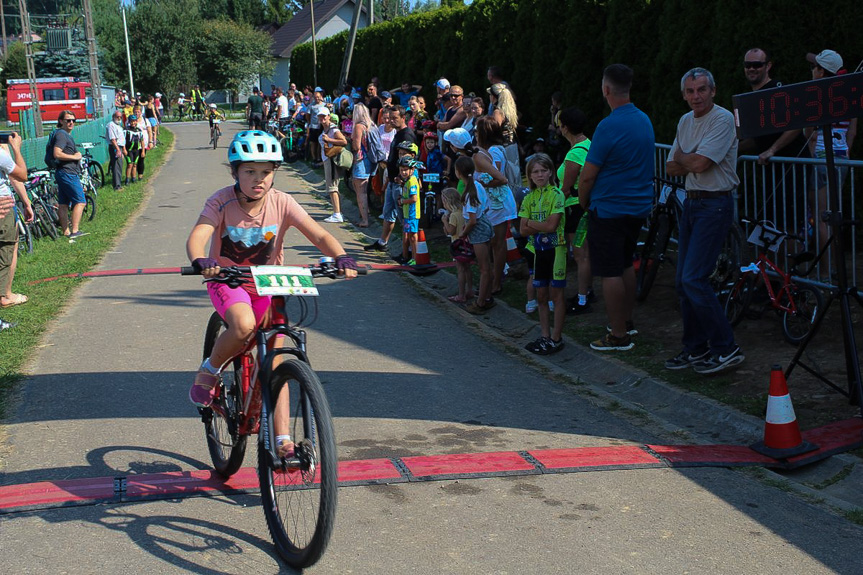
point(362, 270)
point(189, 271)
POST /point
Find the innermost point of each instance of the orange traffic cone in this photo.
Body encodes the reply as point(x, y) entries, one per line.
point(512, 253)
point(422, 256)
point(782, 437)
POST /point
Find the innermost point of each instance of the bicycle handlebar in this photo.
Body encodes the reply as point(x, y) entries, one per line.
point(768, 229)
point(235, 276)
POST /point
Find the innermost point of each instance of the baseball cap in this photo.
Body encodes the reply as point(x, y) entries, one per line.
point(323, 111)
point(386, 95)
point(443, 84)
point(182, 94)
point(158, 94)
point(355, 94)
point(458, 137)
point(827, 59)
point(133, 117)
point(318, 89)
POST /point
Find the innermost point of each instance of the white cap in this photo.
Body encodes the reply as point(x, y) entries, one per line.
point(443, 84)
point(827, 59)
point(458, 137)
point(158, 94)
point(182, 94)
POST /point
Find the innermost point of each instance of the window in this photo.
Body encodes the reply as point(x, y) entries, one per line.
point(74, 93)
point(53, 94)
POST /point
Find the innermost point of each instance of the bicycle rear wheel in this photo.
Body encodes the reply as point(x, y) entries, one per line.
point(25, 235)
point(797, 325)
point(299, 495)
point(652, 255)
point(221, 422)
point(44, 219)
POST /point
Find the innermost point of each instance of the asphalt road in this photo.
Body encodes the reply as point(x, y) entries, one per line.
point(108, 396)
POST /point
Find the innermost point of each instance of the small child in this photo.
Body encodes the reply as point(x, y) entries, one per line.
point(435, 163)
point(411, 207)
point(462, 252)
point(478, 230)
point(543, 220)
point(134, 148)
point(347, 124)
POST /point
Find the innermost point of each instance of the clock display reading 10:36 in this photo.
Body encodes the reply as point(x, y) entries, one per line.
point(796, 106)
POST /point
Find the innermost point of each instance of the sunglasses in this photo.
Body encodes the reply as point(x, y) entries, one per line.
point(456, 95)
point(756, 65)
point(69, 121)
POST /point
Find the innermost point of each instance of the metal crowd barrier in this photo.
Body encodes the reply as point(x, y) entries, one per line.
point(784, 192)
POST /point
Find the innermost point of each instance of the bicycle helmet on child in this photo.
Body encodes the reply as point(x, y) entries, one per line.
point(410, 147)
point(254, 146)
point(411, 163)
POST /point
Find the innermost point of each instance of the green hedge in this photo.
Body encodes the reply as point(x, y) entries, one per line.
point(549, 45)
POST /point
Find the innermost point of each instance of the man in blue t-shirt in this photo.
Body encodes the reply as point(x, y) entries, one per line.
point(616, 187)
point(405, 92)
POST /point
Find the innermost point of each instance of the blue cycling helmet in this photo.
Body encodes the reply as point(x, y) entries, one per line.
point(254, 146)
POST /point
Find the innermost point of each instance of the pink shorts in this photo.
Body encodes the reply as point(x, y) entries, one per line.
point(224, 297)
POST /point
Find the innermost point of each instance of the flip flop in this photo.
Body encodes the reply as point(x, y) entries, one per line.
point(17, 299)
point(456, 299)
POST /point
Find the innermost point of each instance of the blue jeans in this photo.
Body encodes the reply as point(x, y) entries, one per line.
point(703, 226)
point(391, 211)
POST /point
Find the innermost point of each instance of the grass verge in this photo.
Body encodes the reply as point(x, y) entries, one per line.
point(54, 258)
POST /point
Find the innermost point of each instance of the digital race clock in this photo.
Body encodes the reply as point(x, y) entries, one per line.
point(796, 106)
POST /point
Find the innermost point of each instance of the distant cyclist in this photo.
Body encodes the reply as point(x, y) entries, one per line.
point(255, 110)
point(245, 224)
point(213, 114)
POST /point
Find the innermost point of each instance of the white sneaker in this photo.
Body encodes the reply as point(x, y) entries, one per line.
point(531, 306)
point(335, 219)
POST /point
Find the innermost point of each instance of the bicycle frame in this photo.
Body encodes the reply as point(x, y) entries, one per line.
point(763, 263)
point(257, 403)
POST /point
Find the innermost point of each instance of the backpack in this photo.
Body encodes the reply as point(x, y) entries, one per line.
point(50, 161)
point(374, 147)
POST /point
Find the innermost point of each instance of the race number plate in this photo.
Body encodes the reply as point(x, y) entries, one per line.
point(665, 193)
point(429, 178)
point(217, 121)
point(284, 280)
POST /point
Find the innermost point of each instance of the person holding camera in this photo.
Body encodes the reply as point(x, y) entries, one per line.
point(70, 191)
point(13, 172)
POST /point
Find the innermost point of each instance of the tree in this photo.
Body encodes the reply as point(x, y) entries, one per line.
point(14, 65)
point(163, 41)
point(110, 42)
point(232, 55)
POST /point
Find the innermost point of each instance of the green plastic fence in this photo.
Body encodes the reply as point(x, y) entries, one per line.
point(93, 131)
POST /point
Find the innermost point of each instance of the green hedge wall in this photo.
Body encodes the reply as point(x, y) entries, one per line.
point(549, 45)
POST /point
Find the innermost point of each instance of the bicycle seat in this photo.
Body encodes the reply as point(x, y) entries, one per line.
point(87, 145)
point(40, 174)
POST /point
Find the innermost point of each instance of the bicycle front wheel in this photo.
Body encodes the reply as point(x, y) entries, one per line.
point(97, 174)
point(222, 421)
point(299, 495)
point(738, 299)
point(807, 302)
point(90, 206)
point(652, 255)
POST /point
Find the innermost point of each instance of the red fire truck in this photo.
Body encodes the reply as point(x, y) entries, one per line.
point(55, 95)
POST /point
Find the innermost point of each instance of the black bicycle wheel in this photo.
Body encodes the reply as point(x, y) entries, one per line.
point(428, 212)
point(215, 139)
point(44, 219)
point(727, 268)
point(97, 174)
point(25, 235)
point(652, 255)
point(808, 301)
point(227, 447)
point(299, 495)
point(90, 206)
point(738, 299)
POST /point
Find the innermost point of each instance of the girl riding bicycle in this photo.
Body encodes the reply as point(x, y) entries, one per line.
point(246, 224)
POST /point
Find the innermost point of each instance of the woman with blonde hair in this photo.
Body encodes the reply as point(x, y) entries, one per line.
point(506, 113)
point(363, 167)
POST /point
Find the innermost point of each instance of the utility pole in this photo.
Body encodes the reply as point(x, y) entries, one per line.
point(31, 68)
point(314, 45)
point(128, 56)
point(349, 48)
point(95, 79)
point(3, 23)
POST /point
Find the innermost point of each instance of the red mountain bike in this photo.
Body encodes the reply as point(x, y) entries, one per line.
point(298, 494)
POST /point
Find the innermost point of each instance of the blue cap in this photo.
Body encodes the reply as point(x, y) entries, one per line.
point(386, 94)
point(133, 117)
point(355, 94)
point(318, 89)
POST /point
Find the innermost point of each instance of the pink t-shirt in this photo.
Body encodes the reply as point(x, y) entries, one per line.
point(241, 239)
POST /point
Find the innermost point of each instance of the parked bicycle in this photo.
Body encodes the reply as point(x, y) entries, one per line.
point(764, 280)
point(44, 211)
point(299, 493)
point(90, 166)
point(661, 232)
point(25, 232)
